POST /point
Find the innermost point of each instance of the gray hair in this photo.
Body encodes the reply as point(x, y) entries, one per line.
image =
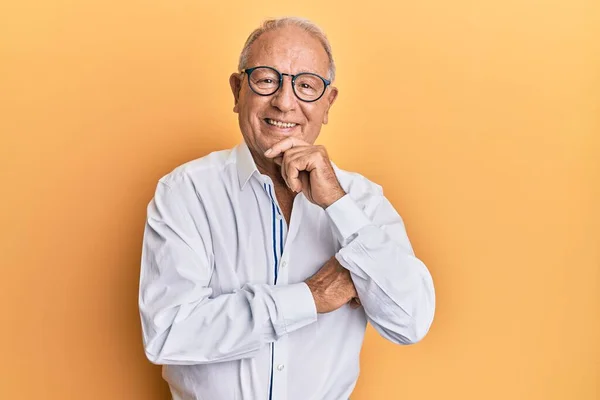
point(302, 23)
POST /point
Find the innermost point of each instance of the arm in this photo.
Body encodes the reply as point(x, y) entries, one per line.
point(394, 287)
point(181, 322)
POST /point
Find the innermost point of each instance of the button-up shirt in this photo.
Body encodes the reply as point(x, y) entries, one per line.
point(223, 303)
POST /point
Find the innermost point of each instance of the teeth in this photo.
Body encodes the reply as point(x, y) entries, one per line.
point(280, 124)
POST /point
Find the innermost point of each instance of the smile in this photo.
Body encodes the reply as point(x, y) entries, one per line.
point(280, 124)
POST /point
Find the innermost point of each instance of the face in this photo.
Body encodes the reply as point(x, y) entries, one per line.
point(289, 50)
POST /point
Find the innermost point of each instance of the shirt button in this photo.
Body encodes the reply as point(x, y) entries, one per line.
point(283, 264)
point(278, 216)
point(280, 367)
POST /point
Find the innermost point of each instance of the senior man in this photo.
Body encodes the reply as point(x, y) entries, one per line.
point(262, 264)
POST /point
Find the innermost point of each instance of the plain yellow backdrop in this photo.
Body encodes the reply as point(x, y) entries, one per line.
point(481, 120)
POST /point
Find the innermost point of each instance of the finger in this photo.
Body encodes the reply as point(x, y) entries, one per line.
point(284, 145)
point(304, 161)
point(293, 170)
point(304, 178)
point(289, 155)
point(287, 168)
point(281, 161)
point(355, 303)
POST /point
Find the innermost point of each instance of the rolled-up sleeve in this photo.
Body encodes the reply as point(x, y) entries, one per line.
point(394, 287)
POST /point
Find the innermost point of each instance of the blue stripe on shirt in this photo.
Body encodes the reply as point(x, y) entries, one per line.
point(275, 281)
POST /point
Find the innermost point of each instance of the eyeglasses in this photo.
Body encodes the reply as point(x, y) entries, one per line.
point(307, 86)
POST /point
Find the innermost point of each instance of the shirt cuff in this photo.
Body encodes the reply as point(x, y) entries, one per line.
point(297, 306)
point(347, 217)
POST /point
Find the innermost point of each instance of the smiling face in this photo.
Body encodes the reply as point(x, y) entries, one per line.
point(266, 120)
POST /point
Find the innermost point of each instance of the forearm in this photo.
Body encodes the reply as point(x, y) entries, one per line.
point(199, 329)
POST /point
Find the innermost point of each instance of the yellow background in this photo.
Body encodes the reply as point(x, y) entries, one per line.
point(481, 120)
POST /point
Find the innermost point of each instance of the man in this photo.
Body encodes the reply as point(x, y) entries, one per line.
point(262, 264)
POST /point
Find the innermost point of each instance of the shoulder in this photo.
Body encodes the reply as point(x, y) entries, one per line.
point(355, 184)
point(201, 169)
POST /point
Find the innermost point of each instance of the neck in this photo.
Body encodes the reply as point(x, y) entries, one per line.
point(268, 167)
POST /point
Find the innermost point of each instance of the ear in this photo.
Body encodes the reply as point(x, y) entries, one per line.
point(235, 81)
point(333, 93)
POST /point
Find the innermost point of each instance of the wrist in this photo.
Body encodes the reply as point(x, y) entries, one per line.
point(335, 197)
point(313, 292)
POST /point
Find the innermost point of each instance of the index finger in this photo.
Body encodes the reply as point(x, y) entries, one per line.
point(284, 145)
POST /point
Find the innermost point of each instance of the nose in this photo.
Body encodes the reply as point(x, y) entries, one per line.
point(284, 99)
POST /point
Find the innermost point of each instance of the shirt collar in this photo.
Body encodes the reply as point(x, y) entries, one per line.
point(245, 164)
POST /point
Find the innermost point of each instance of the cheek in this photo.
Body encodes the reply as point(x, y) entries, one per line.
point(314, 114)
point(252, 109)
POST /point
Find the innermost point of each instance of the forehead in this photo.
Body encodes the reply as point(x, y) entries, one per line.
point(290, 50)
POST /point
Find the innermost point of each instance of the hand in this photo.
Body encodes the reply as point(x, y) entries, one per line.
point(332, 287)
point(306, 168)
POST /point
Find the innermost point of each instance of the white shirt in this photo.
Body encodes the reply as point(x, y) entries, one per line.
point(222, 298)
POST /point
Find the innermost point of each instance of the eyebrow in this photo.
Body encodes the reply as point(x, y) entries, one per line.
point(299, 72)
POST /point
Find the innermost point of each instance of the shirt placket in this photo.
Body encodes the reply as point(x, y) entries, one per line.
point(279, 349)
